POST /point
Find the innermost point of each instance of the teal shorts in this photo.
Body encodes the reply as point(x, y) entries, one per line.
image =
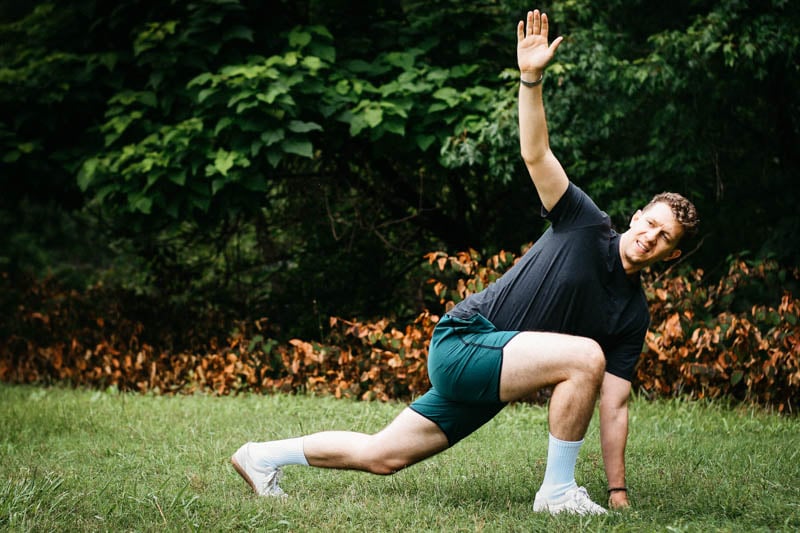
point(464, 362)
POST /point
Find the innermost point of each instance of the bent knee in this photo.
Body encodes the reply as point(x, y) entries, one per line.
point(385, 466)
point(378, 458)
point(594, 359)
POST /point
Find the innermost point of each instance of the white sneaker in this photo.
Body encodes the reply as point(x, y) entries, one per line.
point(575, 501)
point(263, 479)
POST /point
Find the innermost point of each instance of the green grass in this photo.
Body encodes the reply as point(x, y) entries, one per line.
point(86, 461)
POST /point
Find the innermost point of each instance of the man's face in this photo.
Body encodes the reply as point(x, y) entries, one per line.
point(653, 236)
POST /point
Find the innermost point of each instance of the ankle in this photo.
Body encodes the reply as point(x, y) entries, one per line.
point(279, 453)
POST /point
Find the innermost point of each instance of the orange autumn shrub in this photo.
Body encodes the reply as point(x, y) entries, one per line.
point(704, 341)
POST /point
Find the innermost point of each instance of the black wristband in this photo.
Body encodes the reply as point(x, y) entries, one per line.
point(532, 83)
point(617, 489)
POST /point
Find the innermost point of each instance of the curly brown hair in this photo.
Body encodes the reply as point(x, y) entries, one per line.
point(683, 210)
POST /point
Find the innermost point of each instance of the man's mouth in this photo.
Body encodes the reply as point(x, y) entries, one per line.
point(642, 247)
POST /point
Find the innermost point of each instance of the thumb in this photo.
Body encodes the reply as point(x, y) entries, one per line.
point(555, 44)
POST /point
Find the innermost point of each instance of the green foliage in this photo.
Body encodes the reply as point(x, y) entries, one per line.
point(340, 142)
point(698, 103)
point(695, 346)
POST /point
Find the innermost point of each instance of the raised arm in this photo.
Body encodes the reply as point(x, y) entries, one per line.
point(533, 55)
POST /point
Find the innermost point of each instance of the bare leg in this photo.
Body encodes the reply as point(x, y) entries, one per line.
point(574, 365)
point(408, 439)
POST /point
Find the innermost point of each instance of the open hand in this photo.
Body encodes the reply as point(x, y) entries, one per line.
point(533, 52)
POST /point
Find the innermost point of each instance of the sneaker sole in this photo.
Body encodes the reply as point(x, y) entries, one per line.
point(242, 473)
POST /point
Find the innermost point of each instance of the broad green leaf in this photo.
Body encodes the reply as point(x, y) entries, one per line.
point(224, 161)
point(449, 95)
point(104, 191)
point(343, 87)
point(460, 71)
point(223, 123)
point(274, 157)
point(238, 32)
point(299, 38)
point(373, 116)
point(178, 178)
point(303, 127)
point(245, 105)
point(424, 141)
point(301, 147)
point(437, 74)
point(312, 63)
point(274, 91)
point(139, 202)
point(200, 79)
point(272, 136)
point(205, 93)
point(395, 126)
point(290, 58)
point(323, 51)
point(86, 173)
point(238, 97)
point(404, 60)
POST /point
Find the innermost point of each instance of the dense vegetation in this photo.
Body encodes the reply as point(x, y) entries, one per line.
point(218, 161)
point(696, 345)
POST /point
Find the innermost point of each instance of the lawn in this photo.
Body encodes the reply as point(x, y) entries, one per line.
point(79, 460)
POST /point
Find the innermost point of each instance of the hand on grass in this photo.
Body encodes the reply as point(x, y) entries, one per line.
point(618, 501)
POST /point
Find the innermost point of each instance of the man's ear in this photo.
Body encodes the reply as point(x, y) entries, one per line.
point(635, 217)
point(676, 253)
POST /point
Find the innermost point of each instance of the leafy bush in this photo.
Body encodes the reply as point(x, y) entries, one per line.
point(697, 345)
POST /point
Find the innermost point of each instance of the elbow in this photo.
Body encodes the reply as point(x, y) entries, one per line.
point(537, 162)
point(532, 157)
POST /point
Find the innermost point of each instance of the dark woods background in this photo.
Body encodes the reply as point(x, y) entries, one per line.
point(192, 164)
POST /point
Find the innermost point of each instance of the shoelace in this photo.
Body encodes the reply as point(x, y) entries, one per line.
point(583, 500)
point(271, 484)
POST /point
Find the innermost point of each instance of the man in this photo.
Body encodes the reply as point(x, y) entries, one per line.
point(571, 315)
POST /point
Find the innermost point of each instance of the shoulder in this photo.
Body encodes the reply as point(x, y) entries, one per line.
point(575, 206)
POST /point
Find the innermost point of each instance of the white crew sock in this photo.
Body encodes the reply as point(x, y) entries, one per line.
point(559, 476)
point(280, 452)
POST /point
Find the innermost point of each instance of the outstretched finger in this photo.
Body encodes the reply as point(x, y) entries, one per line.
point(520, 31)
point(545, 26)
point(555, 44)
point(529, 24)
point(537, 22)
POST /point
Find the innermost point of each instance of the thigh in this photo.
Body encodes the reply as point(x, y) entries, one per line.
point(454, 418)
point(536, 359)
point(465, 358)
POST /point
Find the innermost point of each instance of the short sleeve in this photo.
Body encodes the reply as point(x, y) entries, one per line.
point(622, 358)
point(574, 209)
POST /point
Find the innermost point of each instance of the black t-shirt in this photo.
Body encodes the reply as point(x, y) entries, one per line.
point(571, 281)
